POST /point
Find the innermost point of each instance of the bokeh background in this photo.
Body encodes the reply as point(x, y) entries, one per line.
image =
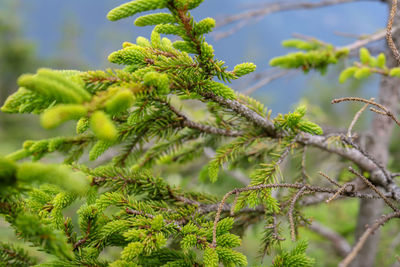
point(75, 34)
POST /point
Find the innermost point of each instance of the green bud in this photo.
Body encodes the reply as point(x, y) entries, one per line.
point(364, 56)
point(103, 127)
point(134, 7)
point(154, 19)
point(133, 54)
point(170, 29)
point(119, 102)
point(395, 72)
point(158, 223)
point(300, 44)
point(362, 73)
point(244, 68)
point(59, 114)
point(381, 60)
point(309, 127)
point(131, 251)
point(210, 257)
point(155, 39)
point(82, 125)
point(207, 50)
point(204, 26)
point(157, 80)
point(144, 42)
point(347, 73)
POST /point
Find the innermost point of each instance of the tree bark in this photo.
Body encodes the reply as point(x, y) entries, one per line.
point(378, 147)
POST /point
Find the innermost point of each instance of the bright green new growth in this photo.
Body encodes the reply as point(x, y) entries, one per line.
point(366, 67)
point(244, 68)
point(55, 116)
point(154, 19)
point(133, 7)
point(317, 56)
point(139, 113)
point(295, 122)
point(103, 127)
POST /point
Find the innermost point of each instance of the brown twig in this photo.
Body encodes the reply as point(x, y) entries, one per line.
point(340, 191)
point(356, 117)
point(384, 110)
point(373, 187)
point(329, 179)
point(198, 126)
point(360, 243)
point(389, 37)
point(291, 209)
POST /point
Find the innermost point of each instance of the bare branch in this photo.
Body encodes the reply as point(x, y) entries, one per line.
point(378, 176)
point(260, 121)
point(201, 127)
point(291, 209)
point(365, 180)
point(341, 190)
point(356, 117)
point(383, 111)
point(329, 179)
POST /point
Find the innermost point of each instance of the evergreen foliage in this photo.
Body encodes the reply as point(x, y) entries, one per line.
point(123, 203)
point(316, 55)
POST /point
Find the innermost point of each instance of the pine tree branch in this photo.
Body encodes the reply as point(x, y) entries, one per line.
point(378, 177)
point(244, 111)
point(186, 122)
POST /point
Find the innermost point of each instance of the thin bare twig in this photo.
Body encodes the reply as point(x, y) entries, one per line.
point(330, 179)
point(366, 181)
point(383, 111)
point(291, 209)
point(360, 243)
point(356, 117)
point(389, 36)
point(198, 126)
point(341, 190)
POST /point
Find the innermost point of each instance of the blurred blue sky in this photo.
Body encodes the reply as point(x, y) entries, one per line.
point(44, 21)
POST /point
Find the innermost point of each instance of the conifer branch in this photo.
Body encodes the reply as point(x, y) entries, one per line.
point(244, 111)
point(186, 122)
